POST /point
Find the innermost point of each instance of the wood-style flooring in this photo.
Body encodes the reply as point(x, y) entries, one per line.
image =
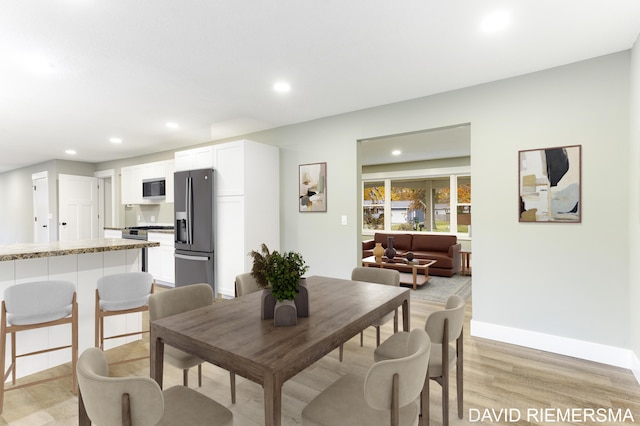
point(497, 377)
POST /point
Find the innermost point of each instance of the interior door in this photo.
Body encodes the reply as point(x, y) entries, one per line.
point(41, 209)
point(77, 207)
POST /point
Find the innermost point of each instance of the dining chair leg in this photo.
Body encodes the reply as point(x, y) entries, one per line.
point(459, 378)
point(377, 336)
point(199, 375)
point(185, 377)
point(232, 381)
point(341, 352)
point(424, 402)
point(361, 338)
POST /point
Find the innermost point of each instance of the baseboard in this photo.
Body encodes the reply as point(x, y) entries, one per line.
point(589, 351)
point(635, 366)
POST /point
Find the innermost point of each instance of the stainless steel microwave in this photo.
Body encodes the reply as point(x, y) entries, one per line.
point(153, 188)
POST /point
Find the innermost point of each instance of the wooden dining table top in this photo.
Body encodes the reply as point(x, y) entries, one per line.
point(232, 334)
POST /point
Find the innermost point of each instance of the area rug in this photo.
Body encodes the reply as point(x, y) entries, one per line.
point(438, 289)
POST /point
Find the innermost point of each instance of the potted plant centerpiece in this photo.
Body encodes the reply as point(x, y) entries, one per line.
point(280, 275)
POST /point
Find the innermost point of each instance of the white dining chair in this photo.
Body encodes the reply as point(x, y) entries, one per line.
point(175, 301)
point(387, 395)
point(106, 400)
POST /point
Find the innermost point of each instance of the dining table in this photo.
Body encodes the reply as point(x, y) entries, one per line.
point(232, 334)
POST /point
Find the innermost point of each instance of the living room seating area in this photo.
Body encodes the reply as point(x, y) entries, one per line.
point(444, 249)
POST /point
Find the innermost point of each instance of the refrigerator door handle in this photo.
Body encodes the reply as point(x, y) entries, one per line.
point(189, 207)
point(187, 257)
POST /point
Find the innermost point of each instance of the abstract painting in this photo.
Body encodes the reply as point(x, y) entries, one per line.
point(312, 192)
point(550, 184)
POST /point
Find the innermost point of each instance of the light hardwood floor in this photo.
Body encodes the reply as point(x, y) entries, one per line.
point(496, 376)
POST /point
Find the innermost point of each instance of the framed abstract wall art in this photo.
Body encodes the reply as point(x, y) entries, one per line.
point(550, 185)
point(312, 192)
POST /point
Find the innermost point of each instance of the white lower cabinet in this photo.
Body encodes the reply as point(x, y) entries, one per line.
point(160, 261)
point(112, 233)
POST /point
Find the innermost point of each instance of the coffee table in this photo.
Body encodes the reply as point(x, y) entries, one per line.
point(412, 278)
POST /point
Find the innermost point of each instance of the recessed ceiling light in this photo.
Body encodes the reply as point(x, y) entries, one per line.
point(115, 140)
point(495, 21)
point(282, 87)
point(172, 125)
point(396, 152)
point(71, 151)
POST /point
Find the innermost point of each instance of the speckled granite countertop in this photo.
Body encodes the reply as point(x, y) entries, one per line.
point(59, 248)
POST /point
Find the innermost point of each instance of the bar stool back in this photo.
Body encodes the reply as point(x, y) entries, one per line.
point(121, 294)
point(34, 305)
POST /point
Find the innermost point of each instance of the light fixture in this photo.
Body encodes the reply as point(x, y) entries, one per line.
point(495, 21)
point(115, 140)
point(282, 87)
point(396, 152)
point(172, 125)
point(71, 152)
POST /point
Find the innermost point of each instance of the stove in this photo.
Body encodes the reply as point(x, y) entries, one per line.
point(140, 232)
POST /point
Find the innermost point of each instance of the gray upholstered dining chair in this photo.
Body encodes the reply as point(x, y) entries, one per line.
point(245, 284)
point(121, 294)
point(386, 396)
point(106, 400)
point(378, 276)
point(443, 327)
point(175, 301)
point(31, 306)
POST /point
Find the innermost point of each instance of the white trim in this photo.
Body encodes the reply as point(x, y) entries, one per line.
point(108, 174)
point(40, 175)
point(590, 351)
point(421, 173)
point(105, 173)
point(635, 366)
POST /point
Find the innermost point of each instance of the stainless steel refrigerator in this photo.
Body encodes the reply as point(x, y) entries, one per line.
point(194, 228)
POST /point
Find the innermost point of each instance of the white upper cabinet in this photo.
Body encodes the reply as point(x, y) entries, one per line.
point(131, 185)
point(230, 168)
point(131, 178)
point(170, 168)
point(194, 159)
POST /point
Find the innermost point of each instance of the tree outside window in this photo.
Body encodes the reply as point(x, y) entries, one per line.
point(418, 205)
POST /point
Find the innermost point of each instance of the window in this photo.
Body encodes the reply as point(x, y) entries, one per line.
point(373, 205)
point(418, 204)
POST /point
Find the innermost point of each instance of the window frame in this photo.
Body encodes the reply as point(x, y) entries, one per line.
point(453, 173)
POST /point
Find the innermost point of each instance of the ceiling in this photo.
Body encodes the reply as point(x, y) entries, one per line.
point(433, 144)
point(76, 73)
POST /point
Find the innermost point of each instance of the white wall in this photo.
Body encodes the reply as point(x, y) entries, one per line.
point(559, 287)
point(634, 207)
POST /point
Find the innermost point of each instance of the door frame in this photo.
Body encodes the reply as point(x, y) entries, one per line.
point(34, 178)
point(102, 175)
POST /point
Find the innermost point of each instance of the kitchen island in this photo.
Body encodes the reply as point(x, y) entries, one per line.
point(83, 263)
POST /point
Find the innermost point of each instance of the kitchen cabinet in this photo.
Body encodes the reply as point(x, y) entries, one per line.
point(112, 233)
point(194, 159)
point(131, 178)
point(160, 261)
point(170, 168)
point(247, 182)
point(131, 185)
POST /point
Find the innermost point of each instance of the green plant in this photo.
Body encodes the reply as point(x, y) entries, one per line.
point(284, 272)
point(279, 271)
